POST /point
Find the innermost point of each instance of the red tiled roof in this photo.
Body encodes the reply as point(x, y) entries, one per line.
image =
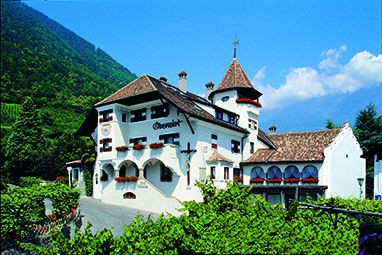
point(216, 156)
point(295, 147)
point(234, 77)
point(183, 101)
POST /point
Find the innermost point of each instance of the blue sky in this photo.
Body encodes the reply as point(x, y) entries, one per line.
point(293, 51)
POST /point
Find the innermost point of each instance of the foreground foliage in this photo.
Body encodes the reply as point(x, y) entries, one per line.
point(23, 207)
point(230, 221)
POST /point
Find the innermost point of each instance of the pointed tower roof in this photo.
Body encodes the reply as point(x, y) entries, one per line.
point(236, 78)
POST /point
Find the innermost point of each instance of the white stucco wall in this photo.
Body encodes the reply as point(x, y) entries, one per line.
point(377, 176)
point(343, 165)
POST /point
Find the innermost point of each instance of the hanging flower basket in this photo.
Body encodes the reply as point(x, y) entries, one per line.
point(122, 148)
point(126, 179)
point(139, 147)
point(257, 180)
point(309, 180)
point(249, 101)
point(291, 180)
point(275, 180)
point(156, 145)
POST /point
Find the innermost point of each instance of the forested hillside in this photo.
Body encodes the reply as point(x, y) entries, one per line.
point(50, 79)
point(58, 69)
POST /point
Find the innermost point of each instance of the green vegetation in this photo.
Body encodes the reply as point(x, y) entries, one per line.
point(23, 207)
point(230, 221)
point(368, 130)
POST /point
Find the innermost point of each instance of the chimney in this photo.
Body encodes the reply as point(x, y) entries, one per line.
point(272, 129)
point(183, 81)
point(209, 88)
point(163, 78)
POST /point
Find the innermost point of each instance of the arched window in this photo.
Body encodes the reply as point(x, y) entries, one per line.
point(310, 172)
point(257, 172)
point(291, 172)
point(274, 172)
point(129, 195)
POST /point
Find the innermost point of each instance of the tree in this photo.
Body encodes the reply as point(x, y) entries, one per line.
point(368, 130)
point(330, 125)
point(23, 148)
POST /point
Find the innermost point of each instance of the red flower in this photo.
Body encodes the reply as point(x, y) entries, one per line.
point(310, 180)
point(126, 179)
point(275, 180)
point(248, 100)
point(238, 178)
point(156, 145)
point(257, 180)
point(139, 147)
point(122, 148)
point(292, 180)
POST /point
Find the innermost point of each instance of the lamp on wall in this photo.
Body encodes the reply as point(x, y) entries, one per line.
point(360, 183)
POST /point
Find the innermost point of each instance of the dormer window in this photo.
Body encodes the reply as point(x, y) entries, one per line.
point(219, 115)
point(138, 115)
point(225, 99)
point(159, 111)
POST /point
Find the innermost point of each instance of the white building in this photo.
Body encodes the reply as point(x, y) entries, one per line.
point(155, 140)
point(378, 173)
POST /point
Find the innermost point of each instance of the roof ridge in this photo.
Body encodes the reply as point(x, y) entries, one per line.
point(305, 132)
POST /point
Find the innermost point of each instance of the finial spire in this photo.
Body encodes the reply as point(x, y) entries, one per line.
point(236, 42)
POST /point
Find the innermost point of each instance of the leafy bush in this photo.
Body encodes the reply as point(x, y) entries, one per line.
point(29, 181)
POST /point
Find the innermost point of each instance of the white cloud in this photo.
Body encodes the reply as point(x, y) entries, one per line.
point(330, 77)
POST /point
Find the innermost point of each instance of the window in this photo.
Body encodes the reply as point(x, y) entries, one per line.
point(225, 99)
point(235, 146)
point(138, 115)
point(129, 195)
point(124, 117)
point(165, 174)
point(226, 173)
point(274, 199)
point(105, 144)
point(138, 140)
point(213, 172)
point(219, 115)
point(238, 174)
point(257, 172)
point(310, 172)
point(106, 115)
point(159, 111)
point(252, 124)
point(291, 172)
point(214, 141)
point(251, 147)
point(170, 138)
point(231, 119)
point(274, 172)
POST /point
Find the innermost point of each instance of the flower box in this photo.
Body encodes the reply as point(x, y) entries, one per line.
point(238, 178)
point(309, 180)
point(257, 180)
point(291, 180)
point(139, 147)
point(249, 101)
point(126, 179)
point(122, 148)
point(275, 180)
point(156, 145)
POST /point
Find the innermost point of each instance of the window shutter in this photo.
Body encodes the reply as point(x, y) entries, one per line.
point(100, 141)
point(100, 149)
point(110, 140)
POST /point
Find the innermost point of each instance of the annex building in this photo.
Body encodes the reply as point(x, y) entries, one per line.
point(154, 141)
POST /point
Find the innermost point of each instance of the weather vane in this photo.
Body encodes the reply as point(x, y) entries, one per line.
point(236, 42)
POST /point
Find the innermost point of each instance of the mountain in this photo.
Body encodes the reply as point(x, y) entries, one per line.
point(60, 70)
point(312, 114)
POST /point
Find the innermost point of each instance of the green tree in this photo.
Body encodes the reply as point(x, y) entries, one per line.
point(23, 148)
point(330, 125)
point(368, 130)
